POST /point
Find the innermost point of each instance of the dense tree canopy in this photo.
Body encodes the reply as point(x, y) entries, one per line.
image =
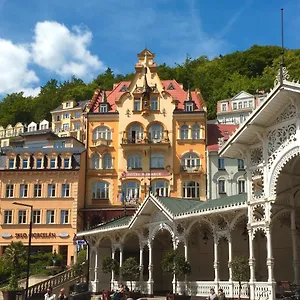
point(218, 78)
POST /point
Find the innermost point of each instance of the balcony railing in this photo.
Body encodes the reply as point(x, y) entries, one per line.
point(146, 138)
point(101, 142)
point(191, 169)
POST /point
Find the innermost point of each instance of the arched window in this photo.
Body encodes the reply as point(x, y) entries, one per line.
point(130, 191)
point(100, 190)
point(135, 134)
point(191, 189)
point(157, 161)
point(241, 186)
point(134, 161)
point(196, 132)
point(155, 133)
point(107, 161)
point(184, 132)
point(160, 188)
point(102, 132)
point(221, 185)
point(95, 161)
point(190, 160)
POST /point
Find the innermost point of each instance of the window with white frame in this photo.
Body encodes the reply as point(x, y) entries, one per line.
point(23, 190)
point(196, 132)
point(11, 163)
point(36, 217)
point(9, 191)
point(50, 216)
point(240, 105)
point(51, 190)
point(25, 163)
point(57, 128)
point(130, 191)
point(52, 162)
point(155, 133)
point(157, 161)
point(234, 105)
point(189, 106)
point(57, 118)
point(160, 188)
point(65, 190)
point(22, 217)
point(7, 217)
point(245, 104)
point(102, 132)
point(66, 127)
point(100, 190)
point(154, 103)
point(103, 108)
point(107, 161)
point(64, 216)
point(68, 104)
point(134, 161)
point(66, 116)
point(60, 144)
point(221, 186)
point(67, 161)
point(241, 186)
point(241, 165)
point(137, 104)
point(37, 190)
point(221, 163)
point(77, 126)
point(191, 189)
point(224, 107)
point(39, 163)
point(190, 160)
point(250, 103)
point(95, 161)
point(184, 132)
point(77, 114)
point(135, 133)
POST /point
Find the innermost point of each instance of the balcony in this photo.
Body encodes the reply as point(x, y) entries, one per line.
point(192, 169)
point(101, 143)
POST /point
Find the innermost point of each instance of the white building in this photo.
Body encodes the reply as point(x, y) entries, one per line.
point(238, 108)
point(225, 176)
point(262, 224)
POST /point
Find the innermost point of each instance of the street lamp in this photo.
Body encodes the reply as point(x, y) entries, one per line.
point(29, 246)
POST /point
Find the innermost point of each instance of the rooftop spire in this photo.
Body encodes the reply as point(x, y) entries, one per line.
point(104, 97)
point(189, 94)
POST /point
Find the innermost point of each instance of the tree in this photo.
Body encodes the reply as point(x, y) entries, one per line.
point(240, 270)
point(110, 264)
point(174, 263)
point(130, 269)
point(80, 263)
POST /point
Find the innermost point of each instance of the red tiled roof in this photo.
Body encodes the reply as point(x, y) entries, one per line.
point(216, 131)
point(177, 93)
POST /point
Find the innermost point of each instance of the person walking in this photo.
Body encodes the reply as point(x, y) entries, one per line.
point(49, 295)
point(62, 295)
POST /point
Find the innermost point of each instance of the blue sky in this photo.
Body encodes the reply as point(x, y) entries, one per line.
point(44, 39)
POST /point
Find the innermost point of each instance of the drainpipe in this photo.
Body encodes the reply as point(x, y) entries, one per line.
point(86, 168)
point(208, 179)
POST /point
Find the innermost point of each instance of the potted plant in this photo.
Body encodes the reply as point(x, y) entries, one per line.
point(240, 271)
point(108, 265)
point(174, 263)
point(131, 270)
point(13, 255)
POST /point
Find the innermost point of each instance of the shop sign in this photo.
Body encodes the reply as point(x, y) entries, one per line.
point(36, 235)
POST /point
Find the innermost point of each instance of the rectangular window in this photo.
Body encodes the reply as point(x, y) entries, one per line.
point(245, 104)
point(64, 217)
point(9, 191)
point(11, 163)
point(52, 163)
point(77, 114)
point(65, 190)
point(154, 103)
point(224, 106)
point(23, 190)
point(241, 186)
point(103, 108)
point(36, 217)
point(66, 163)
point(240, 105)
point(234, 106)
point(57, 129)
point(221, 164)
point(57, 118)
point(68, 104)
point(77, 126)
point(61, 144)
point(221, 186)
point(22, 217)
point(25, 164)
point(250, 103)
point(7, 217)
point(39, 163)
point(189, 107)
point(66, 127)
point(241, 165)
point(37, 191)
point(50, 217)
point(137, 104)
point(66, 116)
point(51, 190)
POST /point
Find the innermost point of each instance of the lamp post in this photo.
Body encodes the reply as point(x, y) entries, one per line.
point(29, 246)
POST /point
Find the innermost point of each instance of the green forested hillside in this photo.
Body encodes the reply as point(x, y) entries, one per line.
point(219, 78)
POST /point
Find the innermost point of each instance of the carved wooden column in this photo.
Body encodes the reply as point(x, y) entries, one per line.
point(216, 260)
point(141, 262)
point(121, 263)
point(150, 269)
point(229, 239)
point(251, 264)
point(96, 281)
point(294, 246)
point(112, 282)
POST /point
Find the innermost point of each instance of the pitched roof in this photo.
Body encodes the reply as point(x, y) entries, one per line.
point(216, 131)
point(177, 205)
point(79, 104)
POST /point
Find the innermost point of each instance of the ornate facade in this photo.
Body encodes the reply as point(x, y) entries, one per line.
point(144, 135)
point(262, 224)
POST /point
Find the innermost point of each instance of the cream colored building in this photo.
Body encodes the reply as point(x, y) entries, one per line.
point(68, 119)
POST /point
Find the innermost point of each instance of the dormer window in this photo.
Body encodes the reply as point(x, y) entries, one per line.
point(57, 118)
point(154, 103)
point(103, 108)
point(189, 106)
point(25, 163)
point(11, 163)
point(39, 163)
point(52, 163)
point(67, 163)
point(68, 104)
point(171, 87)
point(124, 88)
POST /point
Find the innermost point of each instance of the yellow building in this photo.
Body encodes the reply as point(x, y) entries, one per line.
point(51, 179)
point(68, 119)
point(147, 134)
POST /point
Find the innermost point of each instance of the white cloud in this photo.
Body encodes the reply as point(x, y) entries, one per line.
point(64, 52)
point(14, 73)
